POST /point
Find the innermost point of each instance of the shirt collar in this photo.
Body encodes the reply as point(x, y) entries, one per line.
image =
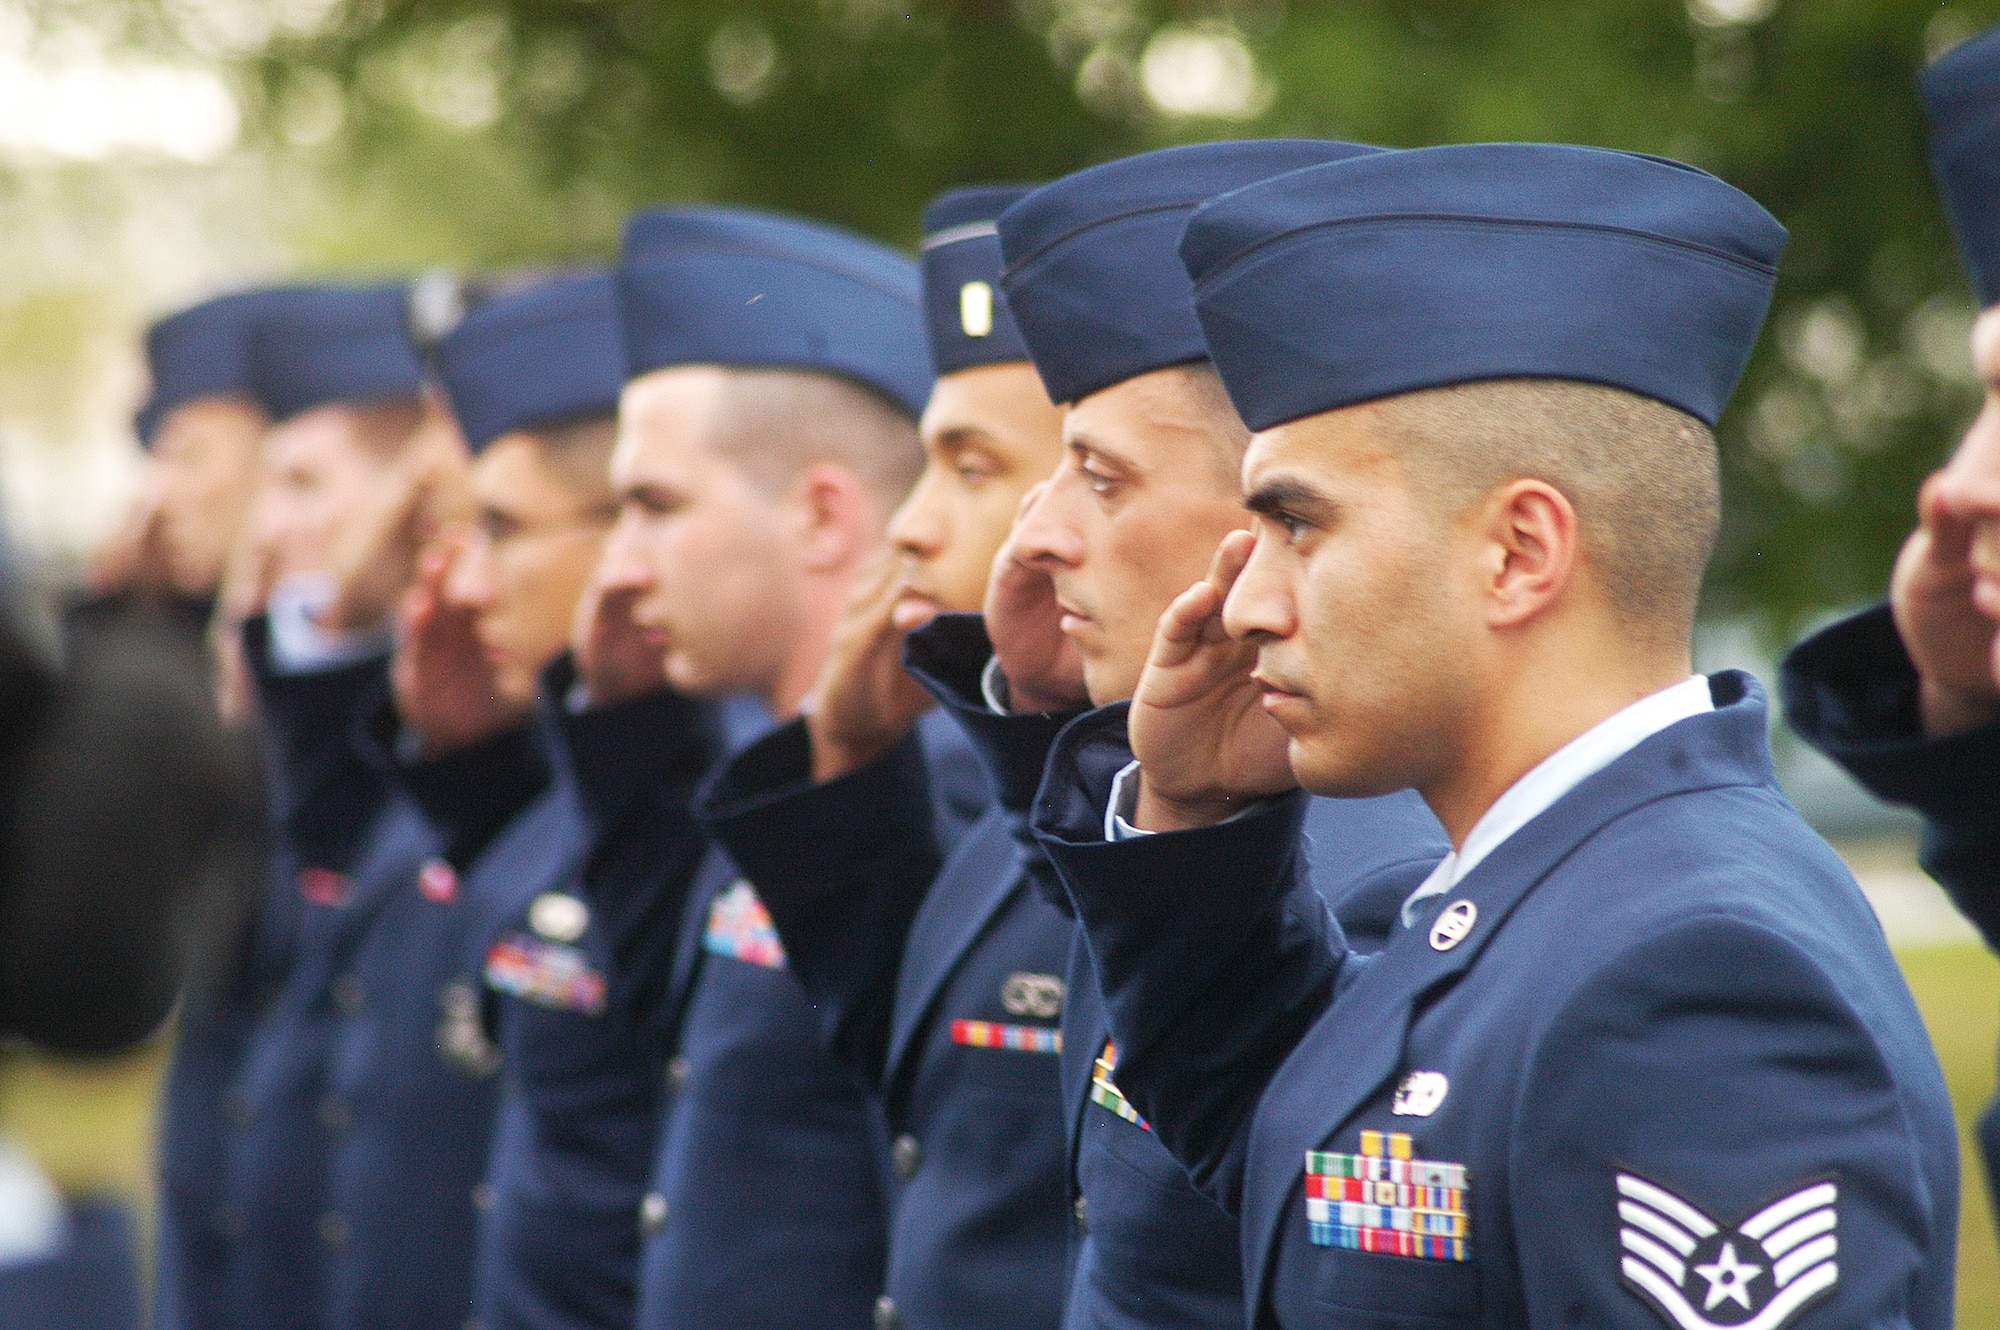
point(1559, 773)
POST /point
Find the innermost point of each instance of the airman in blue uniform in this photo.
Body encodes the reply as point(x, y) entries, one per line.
point(310, 1103)
point(1906, 696)
point(534, 378)
point(939, 983)
point(766, 434)
point(1147, 488)
point(1638, 1054)
point(204, 422)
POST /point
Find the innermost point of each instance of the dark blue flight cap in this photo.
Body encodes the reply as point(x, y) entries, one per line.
point(1091, 275)
point(204, 351)
point(1339, 284)
point(335, 344)
point(729, 286)
point(1961, 94)
point(541, 356)
point(968, 321)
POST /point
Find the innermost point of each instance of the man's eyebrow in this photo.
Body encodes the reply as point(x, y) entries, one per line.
point(1086, 443)
point(1283, 492)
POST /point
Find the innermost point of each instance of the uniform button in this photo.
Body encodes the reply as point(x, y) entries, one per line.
point(652, 1214)
point(677, 1075)
point(482, 1197)
point(905, 1155)
point(347, 993)
point(886, 1315)
point(335, 1115)
point(333, 1229)
point(1082, 1211)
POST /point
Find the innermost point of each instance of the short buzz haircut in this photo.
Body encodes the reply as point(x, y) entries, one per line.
point(1642, 476)
point(1218, 416)
point(775, 423)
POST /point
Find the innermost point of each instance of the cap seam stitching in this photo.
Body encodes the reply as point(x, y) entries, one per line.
point(1011, 269)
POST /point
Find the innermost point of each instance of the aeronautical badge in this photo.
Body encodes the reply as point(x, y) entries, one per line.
point(461, 1031)
point(1383, 1199)
point(740, 927)
point(1699, 1274)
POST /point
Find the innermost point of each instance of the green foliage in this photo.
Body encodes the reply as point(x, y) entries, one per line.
point(476, 131)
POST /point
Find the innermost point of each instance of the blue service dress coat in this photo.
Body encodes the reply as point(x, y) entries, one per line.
point(939, 981)
point(1649, 1063)
point(767, 1202)
point(356, 1142)
point(320, 795)
point(86, 1282)
point(1851, 691)
point(580, 1087)
point(1147, 1249)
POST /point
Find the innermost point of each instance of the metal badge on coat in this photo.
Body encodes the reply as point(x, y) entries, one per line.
point(1452, 926)
point(1420, 1095)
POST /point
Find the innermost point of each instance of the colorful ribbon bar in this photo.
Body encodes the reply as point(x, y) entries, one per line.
point(992, 1034)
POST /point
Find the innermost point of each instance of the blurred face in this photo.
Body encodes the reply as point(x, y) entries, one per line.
point(700, 547)
point(1368, 637)
point(319, 470)
point(1971, 481)
point(203, 473)
point(1143, 495)
point(989, 433)
point(533, 544)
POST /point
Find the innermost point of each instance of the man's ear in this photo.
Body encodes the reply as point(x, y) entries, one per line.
point(1531, 551)
point(835, 517)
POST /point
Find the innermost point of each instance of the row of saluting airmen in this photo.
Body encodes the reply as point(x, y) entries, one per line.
point(823, 844)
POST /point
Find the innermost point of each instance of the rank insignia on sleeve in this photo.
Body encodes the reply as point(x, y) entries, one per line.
point(545, 973)
point(1106, 1095)
point(740, 927)
point(1383, 1199)
point(1700, 1274)
point(993, 1034)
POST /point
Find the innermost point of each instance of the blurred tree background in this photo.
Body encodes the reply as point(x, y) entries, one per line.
point(376, 135)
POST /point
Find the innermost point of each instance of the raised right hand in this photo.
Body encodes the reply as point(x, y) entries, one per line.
point(1948, 617)
point(442, 680)
point(1043, 668)
point(864, 702)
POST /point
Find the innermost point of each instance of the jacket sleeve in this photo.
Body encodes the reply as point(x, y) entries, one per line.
point(842, 865)
point(1212, 949)
point(1711, 1075)
point(1851, 692)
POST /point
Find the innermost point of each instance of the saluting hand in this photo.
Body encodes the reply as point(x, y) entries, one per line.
point(1205, 744)
point(1948, 613)
point(1024, 623)
point(864, 702)
point(376, 559)
point(442, 680)
point(614, 660)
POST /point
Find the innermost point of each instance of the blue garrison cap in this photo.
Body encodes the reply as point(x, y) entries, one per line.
point(968, 321)
point(729, 286)
point(204, 351)
point(537, 357)
point(335, 344)
point(1092, 278)
point(1961, 94)
point(1405, 270)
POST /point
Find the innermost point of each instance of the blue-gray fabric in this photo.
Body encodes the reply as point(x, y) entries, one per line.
point(1383, 275)
point(335, 344)
point(968, 326)
point(1092, 278)
point(1961, 94)
point(544, 356)
point(204, 351)
point(730, 286)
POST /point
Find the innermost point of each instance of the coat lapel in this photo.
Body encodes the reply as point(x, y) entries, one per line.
point(1358, 1043)
point(980, 879)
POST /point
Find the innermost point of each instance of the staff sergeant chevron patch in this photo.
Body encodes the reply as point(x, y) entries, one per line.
point(1699, 1274)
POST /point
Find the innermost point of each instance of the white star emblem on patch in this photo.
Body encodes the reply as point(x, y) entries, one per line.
point(1699, 1274)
